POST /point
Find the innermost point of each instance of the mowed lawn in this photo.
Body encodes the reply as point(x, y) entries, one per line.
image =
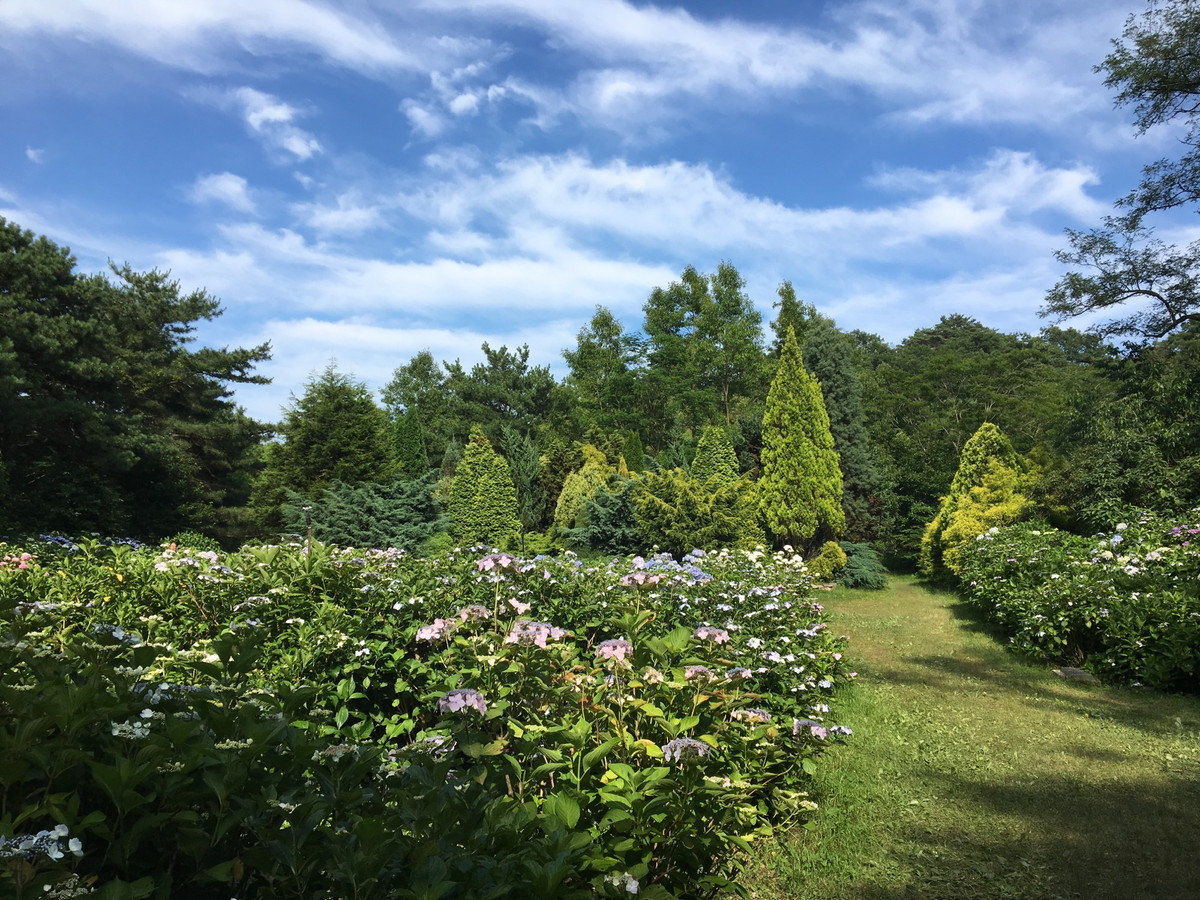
point(974, 774)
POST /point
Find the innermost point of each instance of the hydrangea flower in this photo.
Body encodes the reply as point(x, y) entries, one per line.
point(615, 648)
point(463, 699)
point(685, 749)
point(440, 630)
point(693, 672)
point(527, 632)
point(709, 633)
point(496, 561)
point(624, 880)
point(816, 729)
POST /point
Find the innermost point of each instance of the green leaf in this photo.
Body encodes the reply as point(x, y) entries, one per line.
point(563, 807)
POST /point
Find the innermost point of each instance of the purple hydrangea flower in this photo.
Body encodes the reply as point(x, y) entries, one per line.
point(616, 648)
point(462, 700)
point(685, 749)
point(709, 633)
point(527, 632)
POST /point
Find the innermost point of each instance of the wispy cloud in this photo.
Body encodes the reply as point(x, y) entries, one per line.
point(271, 119)
point(224, 188)
point(930, 61)
point(204, 36)
point(35, 155)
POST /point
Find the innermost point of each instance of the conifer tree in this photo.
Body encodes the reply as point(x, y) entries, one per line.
point(865, 493)
point(633, 452)
point(483, 502)
point(333, 432)
point(715, 460)
point(675, 512)
point(987, 491)
point(524, 463)
point(800, 489)
point(580, 486)
point(411, 460)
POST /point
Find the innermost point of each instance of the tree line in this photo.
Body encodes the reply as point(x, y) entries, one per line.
point(113, 423)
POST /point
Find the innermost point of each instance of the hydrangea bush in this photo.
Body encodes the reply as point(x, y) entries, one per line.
point(296, 721)
point(1126, 604)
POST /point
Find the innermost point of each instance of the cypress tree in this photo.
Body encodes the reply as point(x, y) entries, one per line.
point(987, 491)
point(580, 486)
point(411, 458)
point(800, 490)
point(715, 460)
point(525, 466)
point(633, 452)
point(483, 502)
point(865, 494)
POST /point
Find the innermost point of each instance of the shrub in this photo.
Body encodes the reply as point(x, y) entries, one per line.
point(987, 491)
point(287, 721)
point(483, 501)
point(864, 568)
point(829, 559)
point(194, 540)
point(401, 514)
point(1124, 603)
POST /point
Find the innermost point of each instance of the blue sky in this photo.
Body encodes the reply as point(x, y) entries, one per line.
point(363, 180)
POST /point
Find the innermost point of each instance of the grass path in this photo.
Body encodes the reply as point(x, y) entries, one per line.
point(972, 774)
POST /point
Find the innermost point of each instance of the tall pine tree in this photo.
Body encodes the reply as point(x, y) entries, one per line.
point(800, 489)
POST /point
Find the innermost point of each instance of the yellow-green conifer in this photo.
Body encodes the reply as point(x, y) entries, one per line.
point(800, 489)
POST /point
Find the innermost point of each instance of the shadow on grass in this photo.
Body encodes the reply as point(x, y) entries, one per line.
point(1061, 837)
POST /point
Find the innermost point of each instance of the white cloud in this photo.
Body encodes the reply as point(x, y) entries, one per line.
point(302, 347)
point(225, 188)
point(423, 119)
point(200, 36)
point(35, 155)
point(271, 119)
point(348, 216)
point(1026, 62)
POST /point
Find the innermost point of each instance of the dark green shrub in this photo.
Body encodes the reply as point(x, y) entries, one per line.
point(402, 514)
point(864, 568)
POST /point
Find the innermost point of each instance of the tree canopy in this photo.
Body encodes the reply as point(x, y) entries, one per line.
point(1155, 69)
point(109, 421)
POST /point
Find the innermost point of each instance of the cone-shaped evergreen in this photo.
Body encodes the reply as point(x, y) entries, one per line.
point(866, 495)
point(633, 452)
point(483, 501)
point(987, 491)
point(716, 460)
point(800, 489)
point(411, 458)
point(580, 486)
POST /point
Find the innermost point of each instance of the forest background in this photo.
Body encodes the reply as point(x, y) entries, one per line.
point(116, 425)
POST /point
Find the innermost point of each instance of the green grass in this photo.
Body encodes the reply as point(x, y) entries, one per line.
point(974, 774)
